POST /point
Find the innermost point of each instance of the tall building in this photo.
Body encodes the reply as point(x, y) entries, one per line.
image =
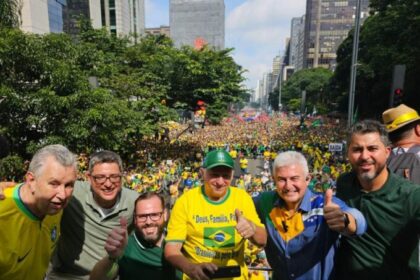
point(121, 17)
point(161, 30)
point(42, 16)
point(327, 24)
point(297, 35)
point(195, 22)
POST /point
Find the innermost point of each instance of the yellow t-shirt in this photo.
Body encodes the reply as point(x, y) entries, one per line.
point(207, 228)
point(26, 243)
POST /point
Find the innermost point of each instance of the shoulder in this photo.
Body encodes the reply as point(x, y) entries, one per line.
point(81, 187)
point(129, 194)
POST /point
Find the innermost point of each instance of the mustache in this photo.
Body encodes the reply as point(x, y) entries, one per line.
point(364, 161)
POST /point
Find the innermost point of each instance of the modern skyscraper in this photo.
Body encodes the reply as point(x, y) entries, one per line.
point(297, 36)
point(121, 17)
point(327, 24)
point(42, 16)
point(193, 22)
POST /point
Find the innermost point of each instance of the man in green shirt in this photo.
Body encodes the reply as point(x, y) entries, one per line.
point(390, 204)
point(141, 254)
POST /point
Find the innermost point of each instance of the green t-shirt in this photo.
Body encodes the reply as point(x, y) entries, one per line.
point(143, 261)
point(389, 248)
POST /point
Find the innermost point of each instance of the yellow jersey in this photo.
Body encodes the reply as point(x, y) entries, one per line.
point(26, 242)
point(207, 228)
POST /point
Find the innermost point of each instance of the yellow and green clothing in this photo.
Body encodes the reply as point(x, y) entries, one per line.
point(26, 242)
point(207, 228)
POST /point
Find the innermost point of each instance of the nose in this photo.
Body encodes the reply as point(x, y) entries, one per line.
point(220, 180)
point(364, 154)
point(61, 192)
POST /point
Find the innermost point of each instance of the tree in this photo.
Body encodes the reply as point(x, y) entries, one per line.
point(388, 37)
point(10, 13)
point(315, 82)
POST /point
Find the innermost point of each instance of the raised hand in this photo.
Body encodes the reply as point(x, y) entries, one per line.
point(244, 227)
point(117, 240)
point(333, 215)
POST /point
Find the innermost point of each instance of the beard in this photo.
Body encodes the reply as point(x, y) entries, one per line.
point(151, 238)
point(372, 174)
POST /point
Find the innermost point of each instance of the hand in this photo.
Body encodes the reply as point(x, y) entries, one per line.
point(3, 186)
point(117, 240)
point(332, 213)
point(244, 227)
point(200, 271)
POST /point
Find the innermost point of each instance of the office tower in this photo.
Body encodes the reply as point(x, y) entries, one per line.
point(327, 24)
point(297, 36)
point(120, 17)
point(194, 22)
point(42, 16)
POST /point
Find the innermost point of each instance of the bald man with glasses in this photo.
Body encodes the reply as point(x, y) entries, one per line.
point(139, 255)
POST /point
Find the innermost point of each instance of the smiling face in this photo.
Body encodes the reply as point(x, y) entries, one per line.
point(367, 155)
point(52, 187)
point(291, 183)
point(105, 180)
point(150, 219)
point(217, 181)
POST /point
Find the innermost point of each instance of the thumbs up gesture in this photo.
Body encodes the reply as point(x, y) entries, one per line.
point(332, 213)
point(244, 227)
point(117, 240)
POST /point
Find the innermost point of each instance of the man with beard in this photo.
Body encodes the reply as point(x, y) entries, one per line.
point(142, 255)
point(390, 204)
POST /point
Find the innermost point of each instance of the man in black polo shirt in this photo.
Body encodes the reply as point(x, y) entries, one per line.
point(390, 204)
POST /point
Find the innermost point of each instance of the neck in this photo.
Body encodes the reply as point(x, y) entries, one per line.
point(28, 199)
point(406, 143)
point(375, 184)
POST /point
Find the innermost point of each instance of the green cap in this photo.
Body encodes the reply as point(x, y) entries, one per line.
point(218, 158)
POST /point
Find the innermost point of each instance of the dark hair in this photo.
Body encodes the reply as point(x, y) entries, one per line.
point(105, 157)
point(402, 132)
point(368, 126)
point(148, 195)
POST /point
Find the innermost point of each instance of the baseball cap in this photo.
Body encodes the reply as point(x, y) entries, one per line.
point(399, 116)
point(218, 158)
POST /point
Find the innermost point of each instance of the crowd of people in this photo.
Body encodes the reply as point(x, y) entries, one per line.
point(196, 210)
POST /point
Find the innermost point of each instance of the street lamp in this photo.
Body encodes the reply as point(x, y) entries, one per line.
point(354, 65)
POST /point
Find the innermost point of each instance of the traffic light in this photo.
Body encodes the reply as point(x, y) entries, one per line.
point(397, 86)
point(398, 96)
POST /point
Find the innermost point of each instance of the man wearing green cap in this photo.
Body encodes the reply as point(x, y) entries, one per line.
point(208, 225)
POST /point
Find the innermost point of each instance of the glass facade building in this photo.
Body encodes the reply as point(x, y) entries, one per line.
point(327, 24)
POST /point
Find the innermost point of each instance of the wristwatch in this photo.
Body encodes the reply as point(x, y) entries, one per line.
point(346, 220)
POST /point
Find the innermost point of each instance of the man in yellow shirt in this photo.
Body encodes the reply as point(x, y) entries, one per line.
point(208, 225)
point(30, 214)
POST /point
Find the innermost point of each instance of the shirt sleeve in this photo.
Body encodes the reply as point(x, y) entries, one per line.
point(177, 226)
point(250, 212)
point(361, 224)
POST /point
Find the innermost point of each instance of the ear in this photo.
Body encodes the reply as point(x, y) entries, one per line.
point(165, 215)
point(30, 181)
point(308, 178)
point(417, 130)
point(202, 172)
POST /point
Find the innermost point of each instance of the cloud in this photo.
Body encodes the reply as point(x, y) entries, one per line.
point(257, 29)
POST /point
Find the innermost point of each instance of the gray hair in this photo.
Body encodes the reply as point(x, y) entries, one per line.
point(105, 157)
point(60, 153)
point(291, 158)
point(369, 126)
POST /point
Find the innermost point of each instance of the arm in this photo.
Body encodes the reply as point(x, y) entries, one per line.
point(5, 185)
point(107, 268)
point(342, 218)
point(195, 271)
point(247, 229)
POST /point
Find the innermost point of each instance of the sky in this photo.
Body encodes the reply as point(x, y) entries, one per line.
point(256, 29)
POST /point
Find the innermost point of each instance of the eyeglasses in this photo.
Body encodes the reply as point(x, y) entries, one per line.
point(153, 216)
point(101, 179)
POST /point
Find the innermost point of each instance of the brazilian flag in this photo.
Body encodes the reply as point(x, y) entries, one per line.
point(219, 237)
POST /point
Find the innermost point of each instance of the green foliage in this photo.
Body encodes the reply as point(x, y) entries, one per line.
point(45, 96)
point(12, 168)
point(387, 38)
point(9, 13)
point(314, 82)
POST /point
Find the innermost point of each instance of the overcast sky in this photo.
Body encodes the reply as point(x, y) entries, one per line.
point(256, 29)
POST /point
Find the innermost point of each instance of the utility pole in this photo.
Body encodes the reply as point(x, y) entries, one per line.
point(354, 65)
